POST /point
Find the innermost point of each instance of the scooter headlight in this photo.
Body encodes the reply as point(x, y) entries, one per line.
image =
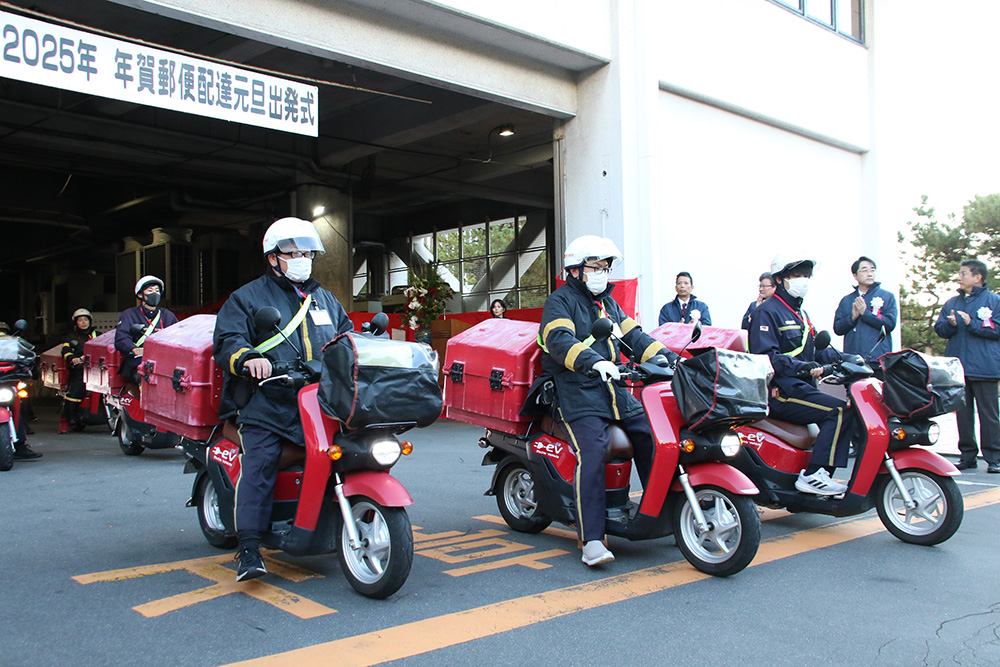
point(933, 432)
point(730, 444)
point(386, 452)
point(6, 395)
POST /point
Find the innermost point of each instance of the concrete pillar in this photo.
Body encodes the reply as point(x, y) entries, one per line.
point(334, 270)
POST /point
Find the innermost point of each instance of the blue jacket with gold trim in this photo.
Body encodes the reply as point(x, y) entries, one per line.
point(568, 315)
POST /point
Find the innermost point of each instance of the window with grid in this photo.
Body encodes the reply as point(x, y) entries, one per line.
point(845, 17)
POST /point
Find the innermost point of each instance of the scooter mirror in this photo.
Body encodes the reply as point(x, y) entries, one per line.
point(822, 340)
point(601, 329)
point(696, 332)
point(266, 319)
point(20, 326)
point(380, 323)
point(135, 331)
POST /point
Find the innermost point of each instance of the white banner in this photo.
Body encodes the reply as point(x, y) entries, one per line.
point(51, 55)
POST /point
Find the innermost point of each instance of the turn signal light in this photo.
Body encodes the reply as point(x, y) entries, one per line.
point(407, 447)
point(335, 452)
point(687, 445)
point(22, 390)
point(899, 434)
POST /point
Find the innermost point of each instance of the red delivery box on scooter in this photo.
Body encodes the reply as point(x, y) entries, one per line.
point(181, 384)
point(675, 336)
point(488, 371)
point(100, 364)
point(53, 369)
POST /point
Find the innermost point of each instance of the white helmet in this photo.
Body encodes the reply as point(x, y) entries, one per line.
point(81, 312)
point(145, 281)
point(589, 247)
point(784, 262)
point(290, 234)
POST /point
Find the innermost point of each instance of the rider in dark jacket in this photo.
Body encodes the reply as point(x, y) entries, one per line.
point(310, 317)
point(72, 353)
point(149, 290)
point(782, 330)
point(589, 405)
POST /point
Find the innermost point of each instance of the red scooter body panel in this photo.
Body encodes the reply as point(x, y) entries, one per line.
point(665, 420)
point(380, 486)
point(319, 431)
point(557, 451)
point(288, 485)
point(867, 398)
point(775, 453)
point(922, 459)
point(133, 405)
point(721, 475)
point(226, 454)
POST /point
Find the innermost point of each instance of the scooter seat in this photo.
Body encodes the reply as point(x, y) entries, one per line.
point(291, 454)
point(619, 446)
point(796, 435)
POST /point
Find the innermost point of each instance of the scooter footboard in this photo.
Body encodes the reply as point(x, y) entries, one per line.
point(381, 487)
point(721, 475)
point(923, 459)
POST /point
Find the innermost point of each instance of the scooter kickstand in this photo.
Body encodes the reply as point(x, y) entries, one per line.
point(346, 513)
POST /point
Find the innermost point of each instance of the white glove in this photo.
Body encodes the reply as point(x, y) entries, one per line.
point(607, 370)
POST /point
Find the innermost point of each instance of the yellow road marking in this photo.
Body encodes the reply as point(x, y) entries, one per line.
point(439, 632)
point(558, 532)
point(225, 584)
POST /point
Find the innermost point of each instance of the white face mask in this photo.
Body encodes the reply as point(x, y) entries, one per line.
point(597, 282)
point(797, 287)
point(299, 269)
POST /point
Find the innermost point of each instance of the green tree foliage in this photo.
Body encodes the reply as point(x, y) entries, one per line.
point(932, 259)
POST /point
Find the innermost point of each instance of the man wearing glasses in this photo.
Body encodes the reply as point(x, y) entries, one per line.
point(863, 313)
point(589, 403)
point(765, 289)
point(268, 416)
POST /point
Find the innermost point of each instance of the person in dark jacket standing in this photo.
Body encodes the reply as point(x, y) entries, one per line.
point(863, 313)
point(149, 290)
point(971, 324)
point(269, 416)
point(685, 308)
point(72, 353)
point(589, 405)
point(765, 289)
point(782, 330)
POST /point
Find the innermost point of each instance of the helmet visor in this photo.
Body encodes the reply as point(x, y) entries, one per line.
point(302, 244)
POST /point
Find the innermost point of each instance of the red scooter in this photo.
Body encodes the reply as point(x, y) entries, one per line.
point(92, 411)
point(693, 492)
point(912, 489)
point(16, 358)
point(127, 418)
point(343, 499)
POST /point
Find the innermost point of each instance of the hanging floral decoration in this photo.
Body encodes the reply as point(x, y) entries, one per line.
point(426, 297)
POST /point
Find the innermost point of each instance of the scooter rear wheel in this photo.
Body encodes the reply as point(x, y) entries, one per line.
point(381, 563)
point(936, 517)
point(517, 500)
point(6, 448)
point(127, 440)
point(732, 539)
point(210, 517)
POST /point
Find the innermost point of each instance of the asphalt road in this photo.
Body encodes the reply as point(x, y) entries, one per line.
point(104, 565)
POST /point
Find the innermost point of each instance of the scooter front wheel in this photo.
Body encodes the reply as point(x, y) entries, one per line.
point(938, 512)
point(210, 517)
point(381, 562)
point(6, 448)
point(518, 501)
point(733, 534)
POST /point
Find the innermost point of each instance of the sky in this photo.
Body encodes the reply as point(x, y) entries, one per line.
point(939, 135)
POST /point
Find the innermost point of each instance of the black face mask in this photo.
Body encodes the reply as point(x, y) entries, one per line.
point(152, 300)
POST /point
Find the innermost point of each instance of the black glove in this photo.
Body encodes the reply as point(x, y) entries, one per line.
point(806, 369)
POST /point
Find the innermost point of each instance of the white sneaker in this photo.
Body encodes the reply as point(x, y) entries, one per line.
point(819, 483)
point(595, 553)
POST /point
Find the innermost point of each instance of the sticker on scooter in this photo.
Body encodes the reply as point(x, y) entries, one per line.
point(552, 450)
point(126, 401)
point(754, 440)
point(226, 457)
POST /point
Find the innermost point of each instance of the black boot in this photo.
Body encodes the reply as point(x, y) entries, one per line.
point(22, 452)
